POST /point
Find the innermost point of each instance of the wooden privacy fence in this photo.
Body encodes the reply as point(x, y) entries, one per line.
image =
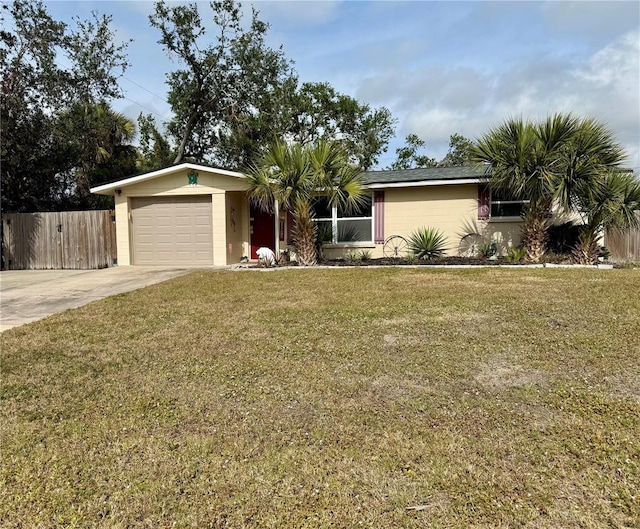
point(70, 239)
point(624, 246)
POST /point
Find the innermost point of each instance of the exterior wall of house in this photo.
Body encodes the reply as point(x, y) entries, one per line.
point(236, 227)
point(123, 234)
point(452, 209)
point(506, 233)
point(224, 190)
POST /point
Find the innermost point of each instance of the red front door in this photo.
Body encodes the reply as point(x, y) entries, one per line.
point(263, 230)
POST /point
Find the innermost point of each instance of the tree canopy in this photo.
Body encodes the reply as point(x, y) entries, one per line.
point(566, 163)
point(57, 127)
point(408, 157)
point(233, 95)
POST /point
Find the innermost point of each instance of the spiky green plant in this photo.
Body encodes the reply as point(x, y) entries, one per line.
point(516, 254)
point(558, 162)
point(292, 175)
point(427, 243)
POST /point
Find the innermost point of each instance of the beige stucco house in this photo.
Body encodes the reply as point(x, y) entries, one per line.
point(193, 215)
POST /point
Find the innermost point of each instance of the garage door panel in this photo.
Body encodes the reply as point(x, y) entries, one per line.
point(172, 230)
point(183, 221)
point(164, 238)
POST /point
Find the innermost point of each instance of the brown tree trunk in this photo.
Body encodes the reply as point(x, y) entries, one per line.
point(304, 235)
point(188, 128)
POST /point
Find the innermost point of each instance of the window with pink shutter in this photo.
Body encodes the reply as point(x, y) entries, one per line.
point(378, 215)
point(484, 198)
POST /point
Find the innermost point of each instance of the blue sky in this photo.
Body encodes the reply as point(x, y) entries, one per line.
point(440, 67)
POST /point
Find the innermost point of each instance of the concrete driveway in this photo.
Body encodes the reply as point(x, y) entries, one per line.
point(30, 295)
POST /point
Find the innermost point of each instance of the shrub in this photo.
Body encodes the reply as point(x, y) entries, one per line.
point(427, 243)
point(516, 255)
point(562, 238)
point(365, 255)
point(352, 256)
point(488, 250)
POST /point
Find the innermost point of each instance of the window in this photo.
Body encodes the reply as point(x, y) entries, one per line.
point(504, 205)
point(338, 226)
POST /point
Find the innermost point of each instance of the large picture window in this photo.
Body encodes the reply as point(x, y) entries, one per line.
point(338, 226)
point(504, 205)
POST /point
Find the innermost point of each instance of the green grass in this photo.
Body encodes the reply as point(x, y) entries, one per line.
point(330, 398)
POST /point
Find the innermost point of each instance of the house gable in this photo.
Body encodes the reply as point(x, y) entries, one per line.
point(175, 180)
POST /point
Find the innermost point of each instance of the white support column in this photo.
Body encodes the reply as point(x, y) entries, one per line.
point(124, 228)
point(219, 221)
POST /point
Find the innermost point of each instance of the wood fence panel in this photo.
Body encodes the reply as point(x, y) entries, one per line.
point(57, 240)
point(624, 246)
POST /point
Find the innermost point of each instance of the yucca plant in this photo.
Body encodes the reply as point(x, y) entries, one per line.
point(516, 254)
point(352, 256)
point(427, 243)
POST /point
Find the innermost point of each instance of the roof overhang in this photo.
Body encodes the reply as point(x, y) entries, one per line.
point(110, 189)
point(423, 183)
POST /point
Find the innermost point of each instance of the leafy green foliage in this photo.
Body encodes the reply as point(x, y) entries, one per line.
point(56, 137)
point(427, 243)
point(225, 79)
point(233, 94)
point(408, 157)
point(459, 153)
point(317, 111)
point(516, 254)
point(567, 162)
point(154, 152)
point(488, 249)
point(293, 174)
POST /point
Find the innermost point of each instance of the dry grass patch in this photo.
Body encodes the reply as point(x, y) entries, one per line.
point(337, 398)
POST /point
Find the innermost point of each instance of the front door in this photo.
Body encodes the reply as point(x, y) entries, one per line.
point(263, 230)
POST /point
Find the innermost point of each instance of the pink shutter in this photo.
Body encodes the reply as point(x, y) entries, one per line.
point(378, 215)
point(484, 196)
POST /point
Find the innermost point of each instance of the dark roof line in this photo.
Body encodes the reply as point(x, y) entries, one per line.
point(425, 174)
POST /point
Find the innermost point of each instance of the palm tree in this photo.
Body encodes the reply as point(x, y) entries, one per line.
point(292, 175)
point(553, 163)
point(102, 137)
point(611, 205)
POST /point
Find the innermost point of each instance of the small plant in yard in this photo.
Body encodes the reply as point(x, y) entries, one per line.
point(427, 243)
point(410, 258)
point(352, 256)
point(586, 249)
point(365, 255)
point(516, 254)
point(488, 249)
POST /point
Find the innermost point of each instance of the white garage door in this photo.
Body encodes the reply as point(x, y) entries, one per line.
point(172, 230)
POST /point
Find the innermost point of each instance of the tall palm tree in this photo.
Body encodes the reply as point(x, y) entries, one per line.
point(551, 163)
point(293, 174)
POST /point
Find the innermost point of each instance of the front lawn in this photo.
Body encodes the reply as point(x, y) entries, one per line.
point(346, 398)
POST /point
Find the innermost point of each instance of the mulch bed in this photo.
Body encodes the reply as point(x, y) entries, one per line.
point(385, 261)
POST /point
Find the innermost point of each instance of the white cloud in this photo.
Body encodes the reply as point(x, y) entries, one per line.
point(435, 102)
